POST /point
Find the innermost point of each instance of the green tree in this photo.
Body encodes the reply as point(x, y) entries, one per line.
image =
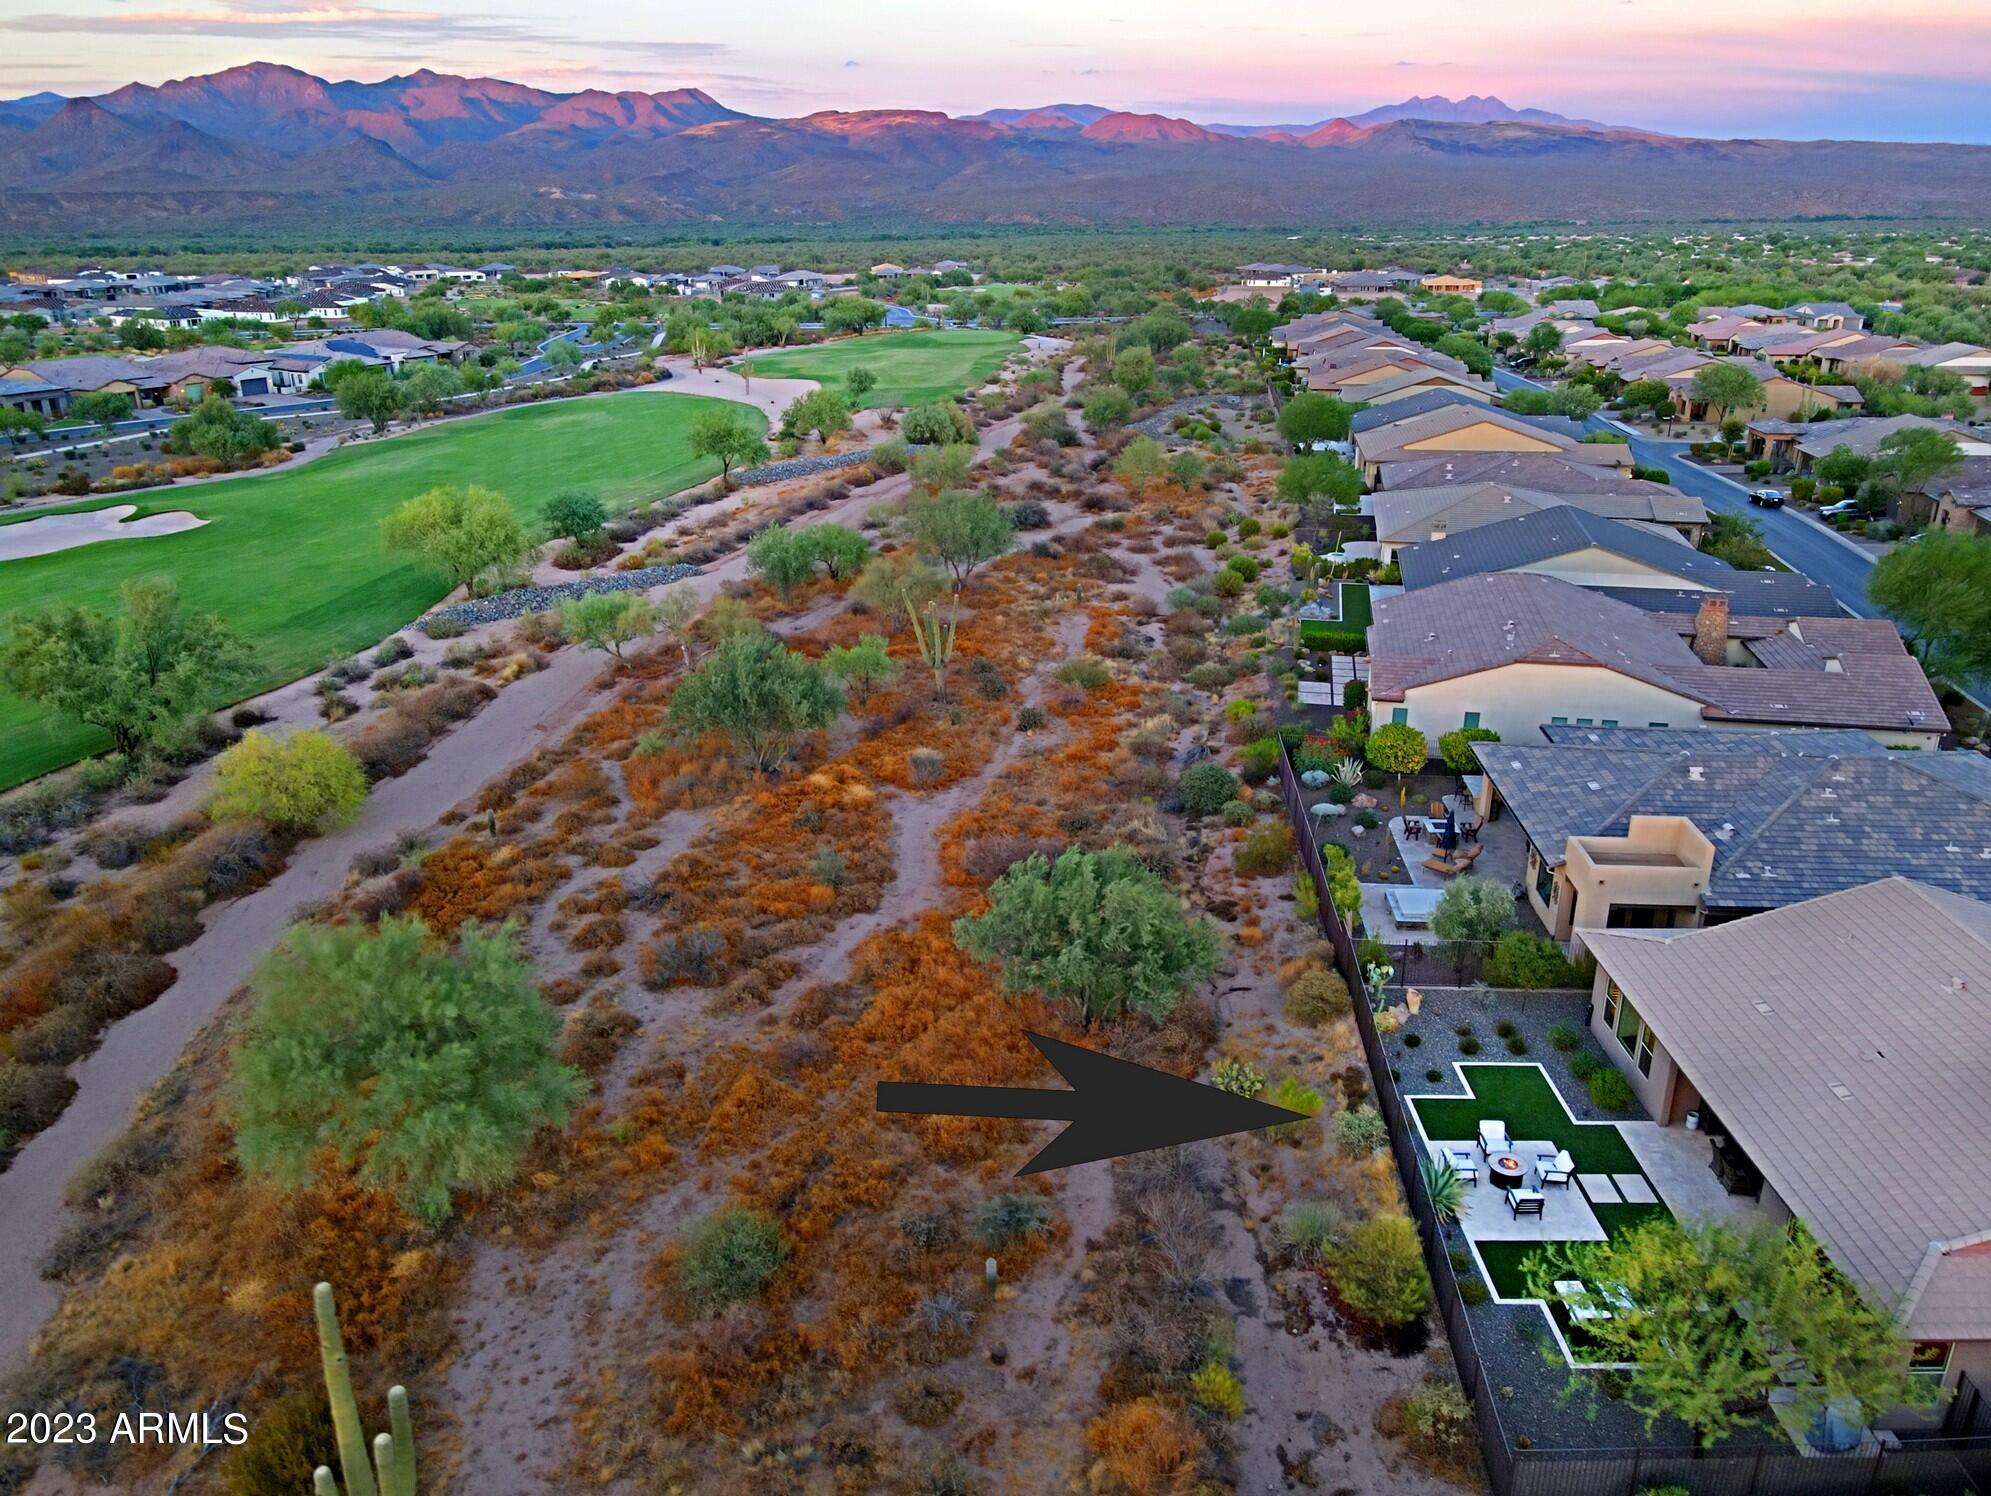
point(862, 666)
point(218, 430)
point(1096, 930)
point(1471, 352)
point(18, 425)
point(608, 621)
point(1399, 749)
point(962, 529)
point(103, 408)
point(899, 586)
point(936, 424)
point(855, 314)
point(821, 413)
point(1318, 475)
point(1472, 913)
point(139, 676)
point(1455, 747)
point(859, 382)
point(1842, 467)
point(1141, 462)
point(1186, 468)
point(1726, 388)
point(428, 386)
point(1651, 397)
point(724, 435)
point(1107, 406)
point(841, 549)
point(463, 531)
point(1939, 591)
point(1736, 539)
point(563, 353)
point(1544, 340)
point(302, 783)
point(1134, 371)
point(759, 694)
point(423, 1070)
point(1311, 417)
point(574, 514)
point(368, 394)
point(1918, 455)
point(1707, 1313)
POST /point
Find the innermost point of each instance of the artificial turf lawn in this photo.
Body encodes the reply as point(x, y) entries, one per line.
point(913, 368)
point(1355, 612)
point(1506, 1260)
point(1520, 1096)
point(293, 559)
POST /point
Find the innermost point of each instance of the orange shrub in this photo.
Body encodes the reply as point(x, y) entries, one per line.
point(1148, 1444)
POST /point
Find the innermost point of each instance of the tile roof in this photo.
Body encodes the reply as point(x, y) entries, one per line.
point(1400, 440)
point(1807, 672)
point(1541, 534)
point(1845, 1043)
point(1407, 515)
point(1546, 472)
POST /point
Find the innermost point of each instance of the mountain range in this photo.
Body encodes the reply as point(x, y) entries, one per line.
point(263, 146)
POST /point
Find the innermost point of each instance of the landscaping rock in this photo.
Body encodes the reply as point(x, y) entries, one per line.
point(799, 467)
point(522, 600)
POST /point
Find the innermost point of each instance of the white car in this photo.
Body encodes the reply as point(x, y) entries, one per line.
point(1844, 506)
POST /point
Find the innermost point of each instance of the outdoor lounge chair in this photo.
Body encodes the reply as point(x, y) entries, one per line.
point(1465, 859)
point(1493, 1137)
point(1578, 1300)
point(1442, 865)
point(1525, 1203)
point(1555, 1168)
point(1437, 810)
point(1464, 1164)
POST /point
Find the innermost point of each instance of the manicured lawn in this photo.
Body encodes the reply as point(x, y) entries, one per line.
point(1520, 1096)
point(1354, 603)
point(912, 367)
point(293, 560)
point(1506, 1261)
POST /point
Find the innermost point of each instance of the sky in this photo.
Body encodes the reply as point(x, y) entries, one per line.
point(1802, 69)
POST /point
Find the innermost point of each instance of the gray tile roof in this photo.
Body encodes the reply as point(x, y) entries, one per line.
point(1845, 1043)
point(1531, 538)
point(1791, 814)
point(1410, 405)
point(1543, 471)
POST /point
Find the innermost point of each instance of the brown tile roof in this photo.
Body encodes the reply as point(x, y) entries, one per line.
point(1395, 440)
point(1544, 471)
point(1810, 672)
point(1407, 514)
point(1845, 1043)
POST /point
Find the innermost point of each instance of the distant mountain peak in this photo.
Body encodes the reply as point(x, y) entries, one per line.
point(1148, 129)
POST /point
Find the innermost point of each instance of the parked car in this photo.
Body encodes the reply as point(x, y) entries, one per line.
point(1844, 506)
point(1767, 498)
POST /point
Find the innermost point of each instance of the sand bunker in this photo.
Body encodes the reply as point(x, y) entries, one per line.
point(58, 532)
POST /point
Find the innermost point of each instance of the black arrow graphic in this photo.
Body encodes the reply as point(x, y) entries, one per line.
point(1115, 1107)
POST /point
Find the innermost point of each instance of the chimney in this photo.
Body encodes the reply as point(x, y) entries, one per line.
point(1711, 629)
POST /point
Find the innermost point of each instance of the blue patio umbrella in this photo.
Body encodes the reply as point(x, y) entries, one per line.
point(1451, 829)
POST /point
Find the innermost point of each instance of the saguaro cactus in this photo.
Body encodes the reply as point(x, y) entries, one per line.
point(393, 1469)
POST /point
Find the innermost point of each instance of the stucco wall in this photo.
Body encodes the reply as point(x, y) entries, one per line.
point(1516, 700)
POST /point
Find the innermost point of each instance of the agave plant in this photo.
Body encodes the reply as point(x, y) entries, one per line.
point(1348, 771)
point(1443, 1188)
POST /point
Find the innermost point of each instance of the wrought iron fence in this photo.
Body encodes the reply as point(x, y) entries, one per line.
point(1956, 1462)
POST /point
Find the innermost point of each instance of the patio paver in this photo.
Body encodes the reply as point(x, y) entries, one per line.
point(1600, 1189)
point(1635, 1189)
point(1566, 1215)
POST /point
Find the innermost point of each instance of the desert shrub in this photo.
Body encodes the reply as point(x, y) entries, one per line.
point(926, 766)
point(926, 1403)
point(1148, 1444)
point(390, 747)
point(1380, 1273)
point(1438, 1420)
point(1205, 788)
point(1313, 1230)
point(287, 1441)
point(1294, 1095)
point(727, 1258)
point(694, 955)
point(1086, 672)
point(1237, 813)
point(1469, 1045)
point(1361, 1130)
point(31, 1097)
point(1609, 1090)
point(1565, 1036)
point(1472, 1291)
point(393, 650)
point(1267, 852)
point(1029, 514)
point(594, 1033)
point(1239, 1077)
point(444, 626)
point(1008, 1219)
point(1455, 747)
point(305, 782)
point(1521, 958)
point(1516, 1044)
point(1030, 719)
point(1318, 997)
point(238, 857)
point(1258, 761)
point(1583, 1066)
point(1217, 1389)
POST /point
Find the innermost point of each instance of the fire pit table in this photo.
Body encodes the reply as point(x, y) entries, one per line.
point(1505, 1171)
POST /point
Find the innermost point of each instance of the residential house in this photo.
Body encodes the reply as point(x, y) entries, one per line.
point(1512, 651)
point(888, 271)
point(247, 309)
point(92, 373)
point(1963, 498)
point(1969, 361)
point(1382, 378)
point(1827, 316)
point(1270, 276)
point(1547, 472)
point(1651, 567)
point(34, 396)
point(1780, 816)
point(386, 346)
point(1421, 516)
point(1444, 283)
point(1796, 446)
point(1458, 428)
point(1836, 1055)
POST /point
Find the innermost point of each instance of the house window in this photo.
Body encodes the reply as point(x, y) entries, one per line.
point(1558, 721)
point(1400, 714)
point(1545, 882)
point(1610, 722)
point(1655, 724)
point(1645, 1045)
point(1613, 995)
point(1584, 722)
point(1628, 1025)
point(1472, 719)
point(1929, 1359)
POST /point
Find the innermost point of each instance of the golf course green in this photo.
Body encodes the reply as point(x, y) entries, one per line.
point(912, 367)
point(293, 561)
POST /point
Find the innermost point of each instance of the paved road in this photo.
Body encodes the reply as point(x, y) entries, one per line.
point(1799, 542)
